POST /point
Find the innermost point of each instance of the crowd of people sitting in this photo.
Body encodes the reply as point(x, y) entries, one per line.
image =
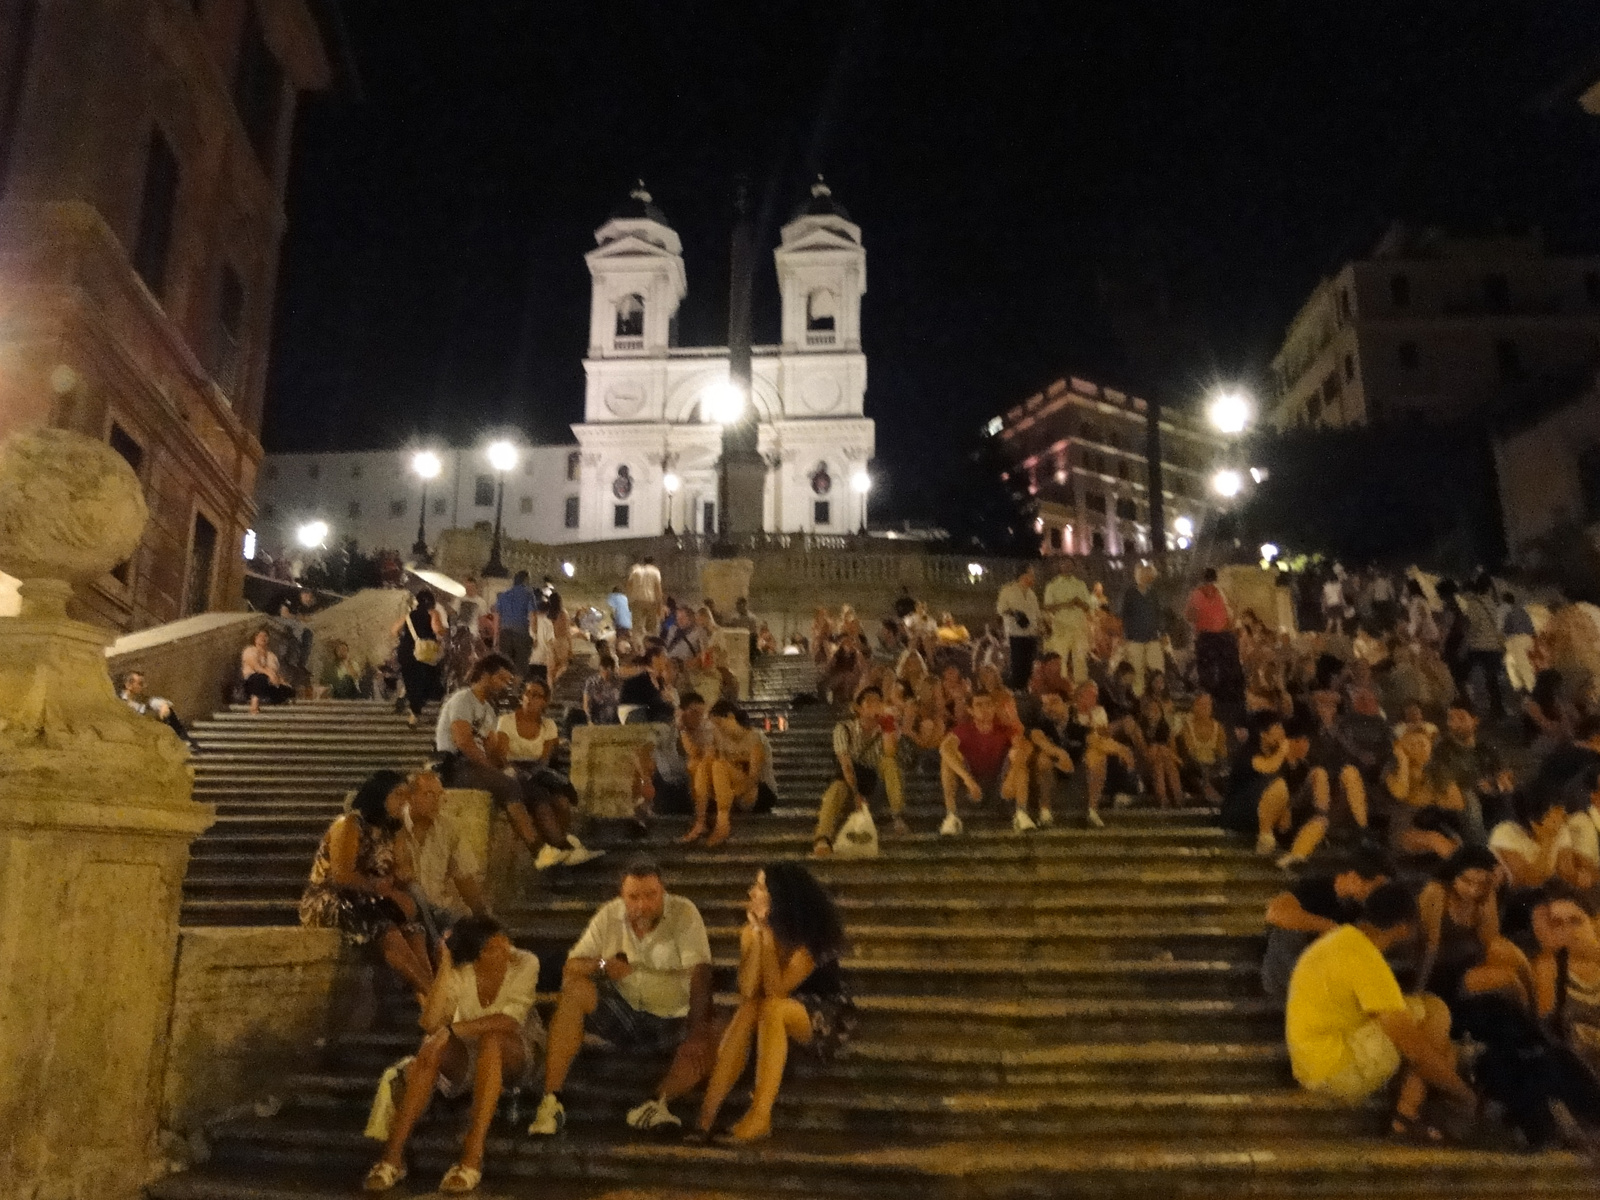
point(1462, 860)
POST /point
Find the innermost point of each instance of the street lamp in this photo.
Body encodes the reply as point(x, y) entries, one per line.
point(861, 485)
point(426, 465)
point(670, 483)
point(1229, 412)
point(724, 402)
point(1227, 483)
point(312, 534)
point(502, 456)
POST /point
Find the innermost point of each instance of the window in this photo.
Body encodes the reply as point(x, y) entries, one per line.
point(1128, 510)
point(570, 517)
point(527, 466)
point(630, 316)
point(709, 512)
point(202, 554)
point(820, 306)
point(1054, 535)
point(619, 516)
point(1496, 292)
point(397, 508)
point(574, 461)
point(227, 334)
point(1591, 286)
point(122, 442)
point(355, 471)
point(1508, 358)
point(821, 512)
point(1589, 482)
point(270, 472)
point(1094, 501)
point(1314, 407)
point(483, 491)
point(1349, 368)
point(157, 206)
point(440, 506)
point(1400, 290)
point(314, 471)
point(1407, 352)
point(258, 89)
point(1344, 307)
point(354, 510)
point(1123, 471)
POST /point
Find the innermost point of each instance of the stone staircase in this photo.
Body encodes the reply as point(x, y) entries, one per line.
point(1073, 1013)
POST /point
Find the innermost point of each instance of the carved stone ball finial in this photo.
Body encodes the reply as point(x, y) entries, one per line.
point(71, 509)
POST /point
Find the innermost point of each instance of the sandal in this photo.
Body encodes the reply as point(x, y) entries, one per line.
point(460, 1179)
point(719, 835)
point(1414, 1130)
point(821, 848)
point(697, 832)
point(382, 1177)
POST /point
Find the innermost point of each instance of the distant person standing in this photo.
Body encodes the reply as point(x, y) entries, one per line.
point(644, 596)
point(420, 648)
point(1141, 629)
point(1518, 628)
point(1216, 646)
point(1068, 605)
point(512, 608)
point(1018, 607)
point(621, 612)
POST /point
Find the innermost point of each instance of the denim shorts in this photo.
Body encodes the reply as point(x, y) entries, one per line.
point(627, 1028)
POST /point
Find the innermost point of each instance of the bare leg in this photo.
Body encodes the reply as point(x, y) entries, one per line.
point(579, 998)
point(1095, 762)
point(439, 1052)
point(1014, 786)
point(691, 1064)
point(398, 953)
point(732, 1055)
point(700, 784)
point(727, 782)
point(1272, 813)
point(1355, 794)
point(949, 782)
point(1309, 837)
point(522, 825)
point(498, 1056)
point(780, 1021)
point(1436, 1025)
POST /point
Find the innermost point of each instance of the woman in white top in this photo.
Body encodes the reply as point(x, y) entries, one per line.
point(258, 667)
point(482, 1033)
point(543, 632)
point(531, 738)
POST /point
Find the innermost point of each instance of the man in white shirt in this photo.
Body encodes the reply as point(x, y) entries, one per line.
point(470, 1044)
point(640, 979)
point(446, 873)
point(1067, 604)
point(476, 750)
point(644, 596)
point(1019, 609)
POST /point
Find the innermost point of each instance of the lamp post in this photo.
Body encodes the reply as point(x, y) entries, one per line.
point(312, 534)
point(861, 485)
point(502, 456)
point(670, 483)
point(427, 466)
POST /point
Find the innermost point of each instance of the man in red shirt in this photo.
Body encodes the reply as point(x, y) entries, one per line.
point(1216, 648)
point(978, 754)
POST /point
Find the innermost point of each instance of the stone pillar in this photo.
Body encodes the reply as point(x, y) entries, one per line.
point(734, 641)
point(95, 824)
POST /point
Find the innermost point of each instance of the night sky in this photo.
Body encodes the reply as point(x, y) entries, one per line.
point(1140, 193)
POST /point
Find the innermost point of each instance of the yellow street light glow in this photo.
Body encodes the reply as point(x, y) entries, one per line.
point(426, 464)
point(1227, 484)
point(1229, 412)
point(502, 455)
point(312, 534)
point(724, 402)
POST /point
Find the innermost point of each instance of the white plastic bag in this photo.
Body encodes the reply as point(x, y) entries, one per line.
point(858, 838)
point(381, 1119)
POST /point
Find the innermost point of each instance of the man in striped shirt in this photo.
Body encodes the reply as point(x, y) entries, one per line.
point(865, 747)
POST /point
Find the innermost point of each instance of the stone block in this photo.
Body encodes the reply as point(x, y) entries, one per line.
point(1250, 588)
point(470, 811)
point(735, 643)
point(726, 580)
point(603, 759)
point(249, 1005)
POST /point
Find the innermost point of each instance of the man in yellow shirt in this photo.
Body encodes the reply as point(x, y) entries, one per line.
point(1349, 1028)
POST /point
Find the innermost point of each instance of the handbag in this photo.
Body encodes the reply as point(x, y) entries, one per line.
point(427, 651)
point(380, 1119)
point(858, 837)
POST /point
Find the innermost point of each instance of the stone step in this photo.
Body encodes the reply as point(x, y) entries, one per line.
point(872, 1165)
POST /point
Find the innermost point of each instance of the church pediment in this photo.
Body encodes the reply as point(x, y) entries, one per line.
point(631, 246)
point(820, 239)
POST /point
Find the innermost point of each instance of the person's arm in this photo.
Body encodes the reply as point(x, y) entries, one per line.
point(1434, 1065)
point(466, 742)
point(1524, 874)
point(439, 1007)
point(1544, 984)
point(1269, 764)
point(550, 744)
point(472, 893)
point(702, 1007)
point(779, 979)
point(394, 630)
point(749, 961)
point(1398, 778)
point(1058, 756)
point(1430, 912)
point(440, 627)
point(1285, 911)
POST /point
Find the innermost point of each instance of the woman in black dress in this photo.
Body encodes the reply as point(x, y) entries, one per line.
point(421, 653)
point(791, 988)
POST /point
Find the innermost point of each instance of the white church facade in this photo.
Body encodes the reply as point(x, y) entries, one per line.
point(648, 446)
point(649, 438)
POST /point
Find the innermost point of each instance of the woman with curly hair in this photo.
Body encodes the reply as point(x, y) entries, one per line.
point(791, 988)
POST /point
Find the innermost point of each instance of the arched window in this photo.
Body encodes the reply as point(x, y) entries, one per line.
point(821, 306)
point(630, 316)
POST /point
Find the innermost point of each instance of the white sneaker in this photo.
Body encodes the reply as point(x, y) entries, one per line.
point(652, 1114)
point(1266, 844)
point(1046, 818)
point(550, 1118)
point(952, 826)
point(549, 857)
point(1096, 821)
point(580, 854)
point(1022, 823)
point(1123, 800)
